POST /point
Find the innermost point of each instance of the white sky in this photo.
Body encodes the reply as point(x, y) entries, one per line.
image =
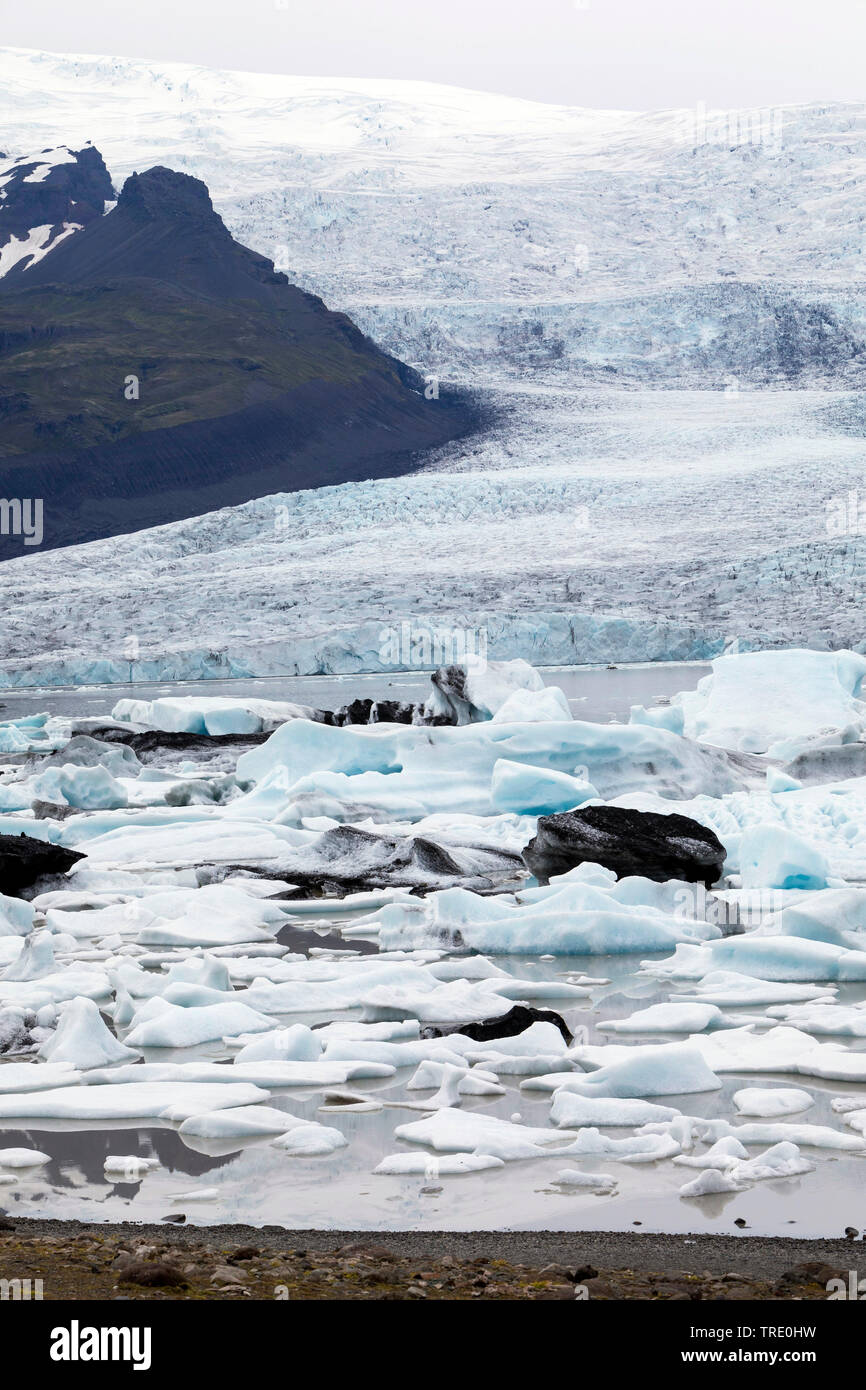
point(608, 53)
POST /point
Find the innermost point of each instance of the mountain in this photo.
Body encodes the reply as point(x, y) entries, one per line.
point(46, 198)
point(154, 369)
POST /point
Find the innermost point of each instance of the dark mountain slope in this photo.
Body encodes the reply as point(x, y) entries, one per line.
point(243, 384)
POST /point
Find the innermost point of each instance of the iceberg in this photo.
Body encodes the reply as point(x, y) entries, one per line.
point(708, 1184)
point(665, 1070)
point(581, 913)
point(87, 788)
point(777, 958)
point(616, 758)
point(174, 1026)
point(82, 1039)
point(778, 703)
point(773, 857)
point(207, 714)
point(533, 791)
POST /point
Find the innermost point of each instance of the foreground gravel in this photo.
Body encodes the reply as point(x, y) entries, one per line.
point(97, 1262)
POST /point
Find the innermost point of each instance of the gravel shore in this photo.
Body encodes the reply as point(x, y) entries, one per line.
point(97, 1262)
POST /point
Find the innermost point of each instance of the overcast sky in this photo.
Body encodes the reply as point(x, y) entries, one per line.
point(611, 53)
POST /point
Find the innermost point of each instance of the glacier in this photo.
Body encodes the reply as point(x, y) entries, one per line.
point(507, 246)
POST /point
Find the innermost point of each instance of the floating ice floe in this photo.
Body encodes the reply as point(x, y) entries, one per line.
point(824, 1018)
point(783, 1160)
point(139, 1100)
point(584, 912)
point(447, 1166)
point(216, 915)
point(268, 1075)
point(173, 1026)
point(635, 1148)
point(48, 1076)
point(571, 1110)
point(709, 1183)
point(307, 1139)
point(452, 1083)
point(128, 1167)
point(594, 1182)
point(770, 856)
point(454, 1131)
point(395, 1054)
point(673, 1017)
point(238, 1122)
point(295, 1044)
point(781, 1049)
point(780, 958)
point(809, 1136)
point(55, 988)
point(666, 1070)
point(22, 1158)
point(398, 989)
point(731, 989)
point(16, 916)
point(767, 1103)
point(35, 959)
point(724, 1154)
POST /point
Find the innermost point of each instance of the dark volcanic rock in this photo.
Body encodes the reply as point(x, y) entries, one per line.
point(376, 712)
point(629, 842)
point(23, 860)
point(386, 712)
point(508, 1025)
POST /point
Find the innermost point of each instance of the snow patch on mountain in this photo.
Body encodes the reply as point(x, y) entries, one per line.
point(45, 198)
